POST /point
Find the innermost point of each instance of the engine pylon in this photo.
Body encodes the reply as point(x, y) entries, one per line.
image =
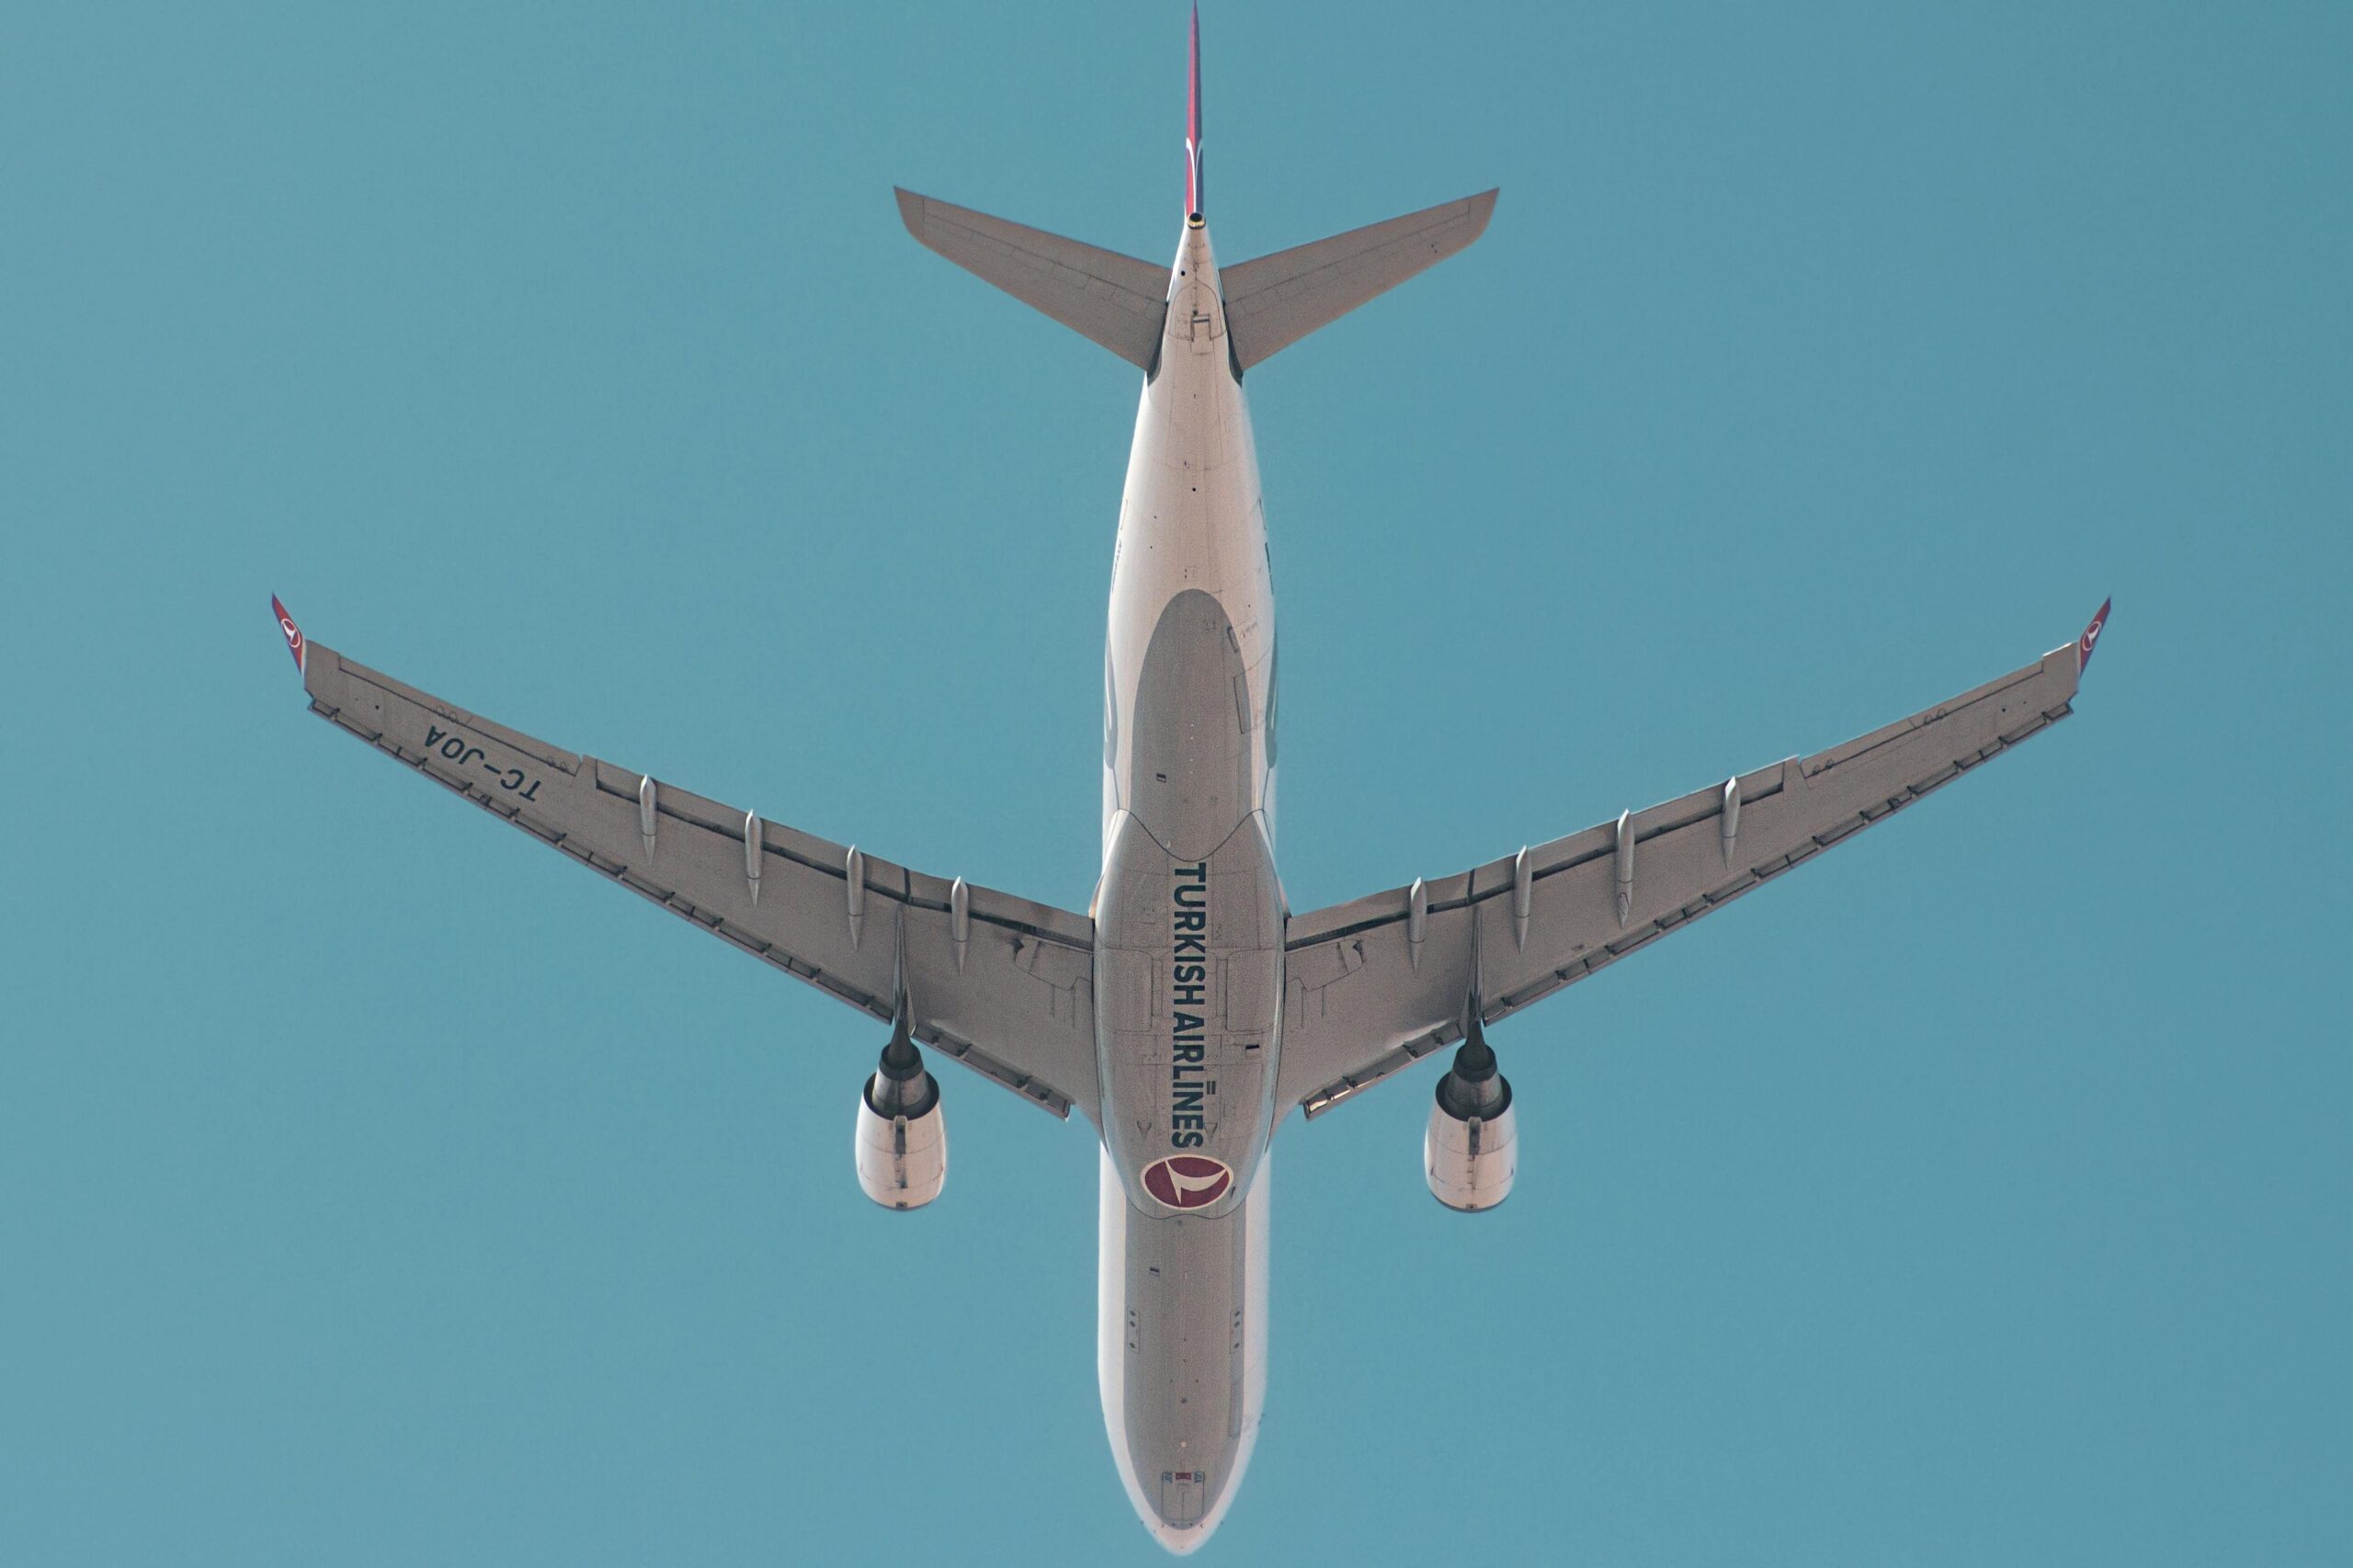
point(901, 1139)
point(1470, 1149)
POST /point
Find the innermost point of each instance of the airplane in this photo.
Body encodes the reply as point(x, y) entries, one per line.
point(1189, 1011)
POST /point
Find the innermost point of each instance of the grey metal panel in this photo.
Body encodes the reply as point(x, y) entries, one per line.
point(1361, 1005)
point(1119, 302)
point(1189, 775)
point(1275, 301)
point(1015, 1005)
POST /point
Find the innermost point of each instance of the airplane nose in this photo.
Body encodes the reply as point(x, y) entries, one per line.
point(1182, 1541)
point(1180, 1512)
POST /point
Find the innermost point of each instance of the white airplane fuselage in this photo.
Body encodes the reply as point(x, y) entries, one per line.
point(1189, 917)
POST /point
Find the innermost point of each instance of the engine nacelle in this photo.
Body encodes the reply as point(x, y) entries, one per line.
point(1472, 1160)
point(1471, 1151)
point(902, 1136)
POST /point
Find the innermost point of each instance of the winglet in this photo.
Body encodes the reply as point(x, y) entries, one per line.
point(1193, 127)
point(295, 644)
point(2090, 639)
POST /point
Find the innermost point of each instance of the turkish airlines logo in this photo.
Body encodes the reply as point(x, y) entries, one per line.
point(1187, 1181)
point(294, 643)
point(2090, 639)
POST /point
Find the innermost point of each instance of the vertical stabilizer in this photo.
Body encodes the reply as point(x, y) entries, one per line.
point(1193, 192)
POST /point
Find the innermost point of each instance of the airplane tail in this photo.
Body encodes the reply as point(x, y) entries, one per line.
point(1272, 302)
point(1122, 303)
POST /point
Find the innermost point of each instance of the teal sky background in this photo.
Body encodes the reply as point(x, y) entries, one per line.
point(377, 1188)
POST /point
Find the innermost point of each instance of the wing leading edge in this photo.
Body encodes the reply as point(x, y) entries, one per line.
point(1000, 984)
point(1379, 984)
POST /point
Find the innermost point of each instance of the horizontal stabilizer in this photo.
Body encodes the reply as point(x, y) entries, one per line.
point(1120, 302)
point(1272, 302)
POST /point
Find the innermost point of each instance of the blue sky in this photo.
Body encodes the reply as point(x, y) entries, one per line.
point(378, 1188)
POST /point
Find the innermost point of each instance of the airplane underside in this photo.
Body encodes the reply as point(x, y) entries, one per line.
point(1189, 1011)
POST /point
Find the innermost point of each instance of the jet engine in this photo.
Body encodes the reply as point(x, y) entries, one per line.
point(902, 1137)
point(1469, 1152)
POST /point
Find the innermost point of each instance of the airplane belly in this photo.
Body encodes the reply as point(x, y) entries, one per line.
point(1189, 658)
point(1189, 919)
point(1188, 977)
point(1181, 1354)
point(1188, 970)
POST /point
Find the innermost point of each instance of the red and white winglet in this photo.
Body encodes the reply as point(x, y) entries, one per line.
point(294, 643)
point(2090, 639)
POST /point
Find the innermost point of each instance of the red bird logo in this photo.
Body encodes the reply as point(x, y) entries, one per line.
point(1187, 1181)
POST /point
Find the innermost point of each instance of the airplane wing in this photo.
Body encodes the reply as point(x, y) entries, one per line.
point(1000, 984)
point(1377, 985)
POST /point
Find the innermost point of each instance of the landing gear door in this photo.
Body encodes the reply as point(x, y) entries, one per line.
point(1180, 1497)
